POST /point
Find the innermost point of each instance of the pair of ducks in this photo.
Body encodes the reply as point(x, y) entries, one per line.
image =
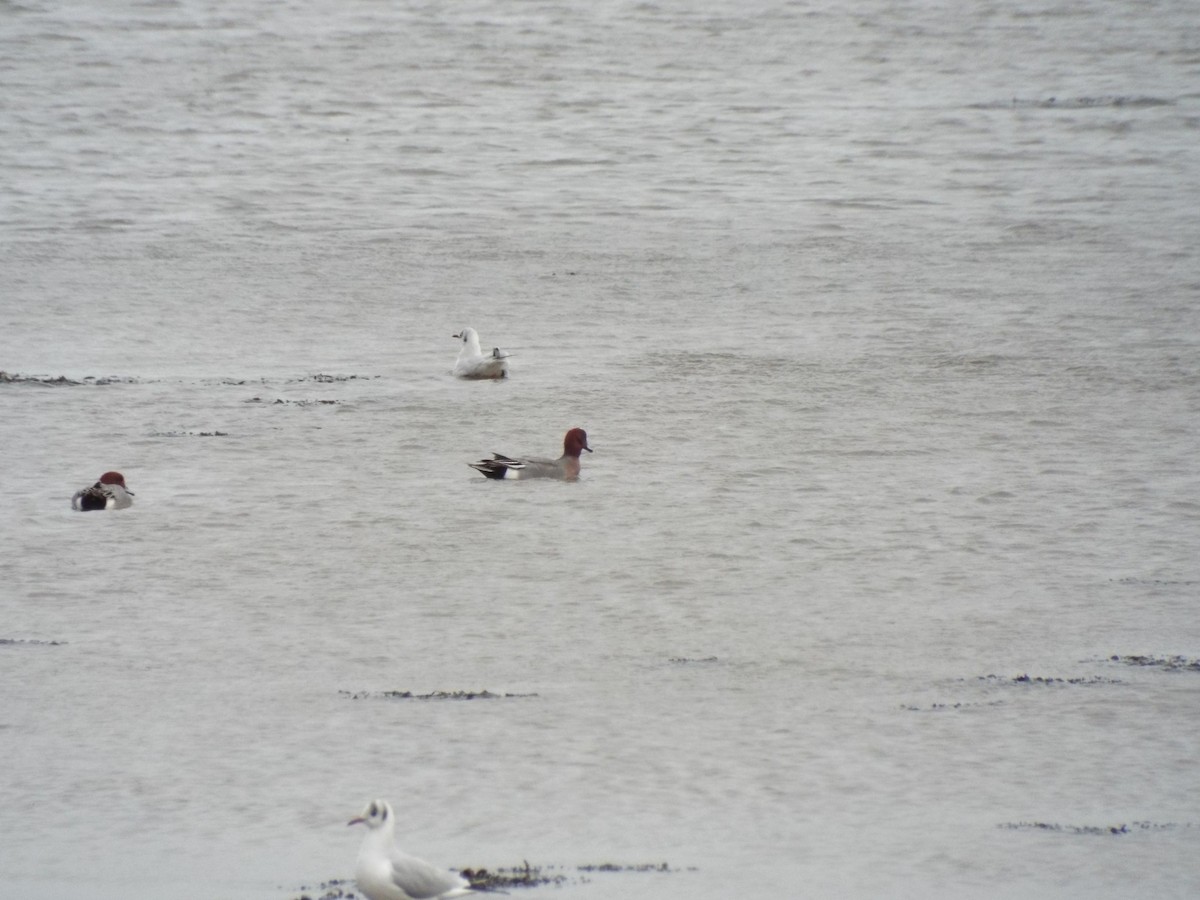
point(110, 491)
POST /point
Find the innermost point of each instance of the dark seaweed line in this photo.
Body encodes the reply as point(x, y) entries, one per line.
point(498, 880)
point(942, 707)
point(91, 380)
point(1082, 102)
point(1046, 681)
point(64, 381)
point(435, 695)
point(322, 378)
point(1160, 581)
point(1013, 681)
point(171, 434)
point(1169, 663)
point(1124, 828)
point(279, 401)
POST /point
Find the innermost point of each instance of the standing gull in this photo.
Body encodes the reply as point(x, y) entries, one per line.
point(472, 363)
point(107, 493)
point(566, 467)
point(385, 872)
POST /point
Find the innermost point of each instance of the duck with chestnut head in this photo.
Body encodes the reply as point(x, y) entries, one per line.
point(107, 493)
point(565, 468)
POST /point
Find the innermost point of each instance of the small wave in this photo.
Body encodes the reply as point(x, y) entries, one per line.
point(973, 362)
point(1099, 102)
point(1157, 581)
point(567, 162)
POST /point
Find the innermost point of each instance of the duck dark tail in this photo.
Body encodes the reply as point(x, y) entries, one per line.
point(489, 468)
point(92, 500)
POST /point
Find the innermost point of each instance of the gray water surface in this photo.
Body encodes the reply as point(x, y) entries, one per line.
point(882, 322)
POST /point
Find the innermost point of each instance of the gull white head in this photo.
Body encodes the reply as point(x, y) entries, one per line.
point(377, 814)
point(470, 339)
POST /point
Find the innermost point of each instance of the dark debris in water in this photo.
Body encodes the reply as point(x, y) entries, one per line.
point(1041, 680)
point(943, 707)
point(689, 659)
point(279, 401)
point(434, 695)
point(322, 378)
point(1166, 663)
point(498, 880)
point(517, 877)
point(1123, 828)
point(616, 867)
point(1101, 101)
point(189, 434)
point(1016, 681)
point(334, 889)
point(62, 380)
point(6, 641)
